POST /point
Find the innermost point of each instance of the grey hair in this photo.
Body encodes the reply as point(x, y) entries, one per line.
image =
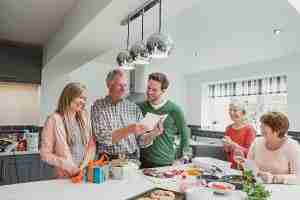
point(239, 104)
point(112, 74)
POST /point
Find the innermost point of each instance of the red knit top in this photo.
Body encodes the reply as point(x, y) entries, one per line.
point(243, 137)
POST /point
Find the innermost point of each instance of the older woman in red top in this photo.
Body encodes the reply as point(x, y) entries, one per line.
point(239, 135)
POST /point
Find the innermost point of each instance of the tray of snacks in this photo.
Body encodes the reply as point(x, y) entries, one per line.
point(159, 194)
point(172, 172)
point(158, 173)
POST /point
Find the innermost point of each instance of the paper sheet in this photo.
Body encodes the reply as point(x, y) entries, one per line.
point(150, 120)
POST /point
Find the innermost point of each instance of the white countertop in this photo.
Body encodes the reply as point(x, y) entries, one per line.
point(65, 190)
point(111, 190)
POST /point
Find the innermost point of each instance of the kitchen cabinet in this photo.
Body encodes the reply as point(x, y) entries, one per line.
point(20, 63)
point(23, 168)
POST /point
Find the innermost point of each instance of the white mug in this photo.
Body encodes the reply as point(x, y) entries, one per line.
point(117, 172)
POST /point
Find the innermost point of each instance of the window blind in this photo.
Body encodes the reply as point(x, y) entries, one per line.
point(260, 86)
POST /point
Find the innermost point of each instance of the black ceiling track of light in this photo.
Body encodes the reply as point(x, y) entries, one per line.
point(139, 11)
point(158, 45)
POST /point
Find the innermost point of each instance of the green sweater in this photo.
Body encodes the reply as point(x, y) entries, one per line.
point(162, 151)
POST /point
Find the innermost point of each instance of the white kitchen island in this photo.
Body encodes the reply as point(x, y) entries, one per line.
point(111, 190)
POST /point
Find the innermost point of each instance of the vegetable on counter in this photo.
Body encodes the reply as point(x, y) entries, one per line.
point(254, 190)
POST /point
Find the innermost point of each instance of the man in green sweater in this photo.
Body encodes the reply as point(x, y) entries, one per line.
point(163, 152)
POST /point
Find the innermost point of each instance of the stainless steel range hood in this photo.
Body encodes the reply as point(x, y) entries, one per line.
point(137, 84)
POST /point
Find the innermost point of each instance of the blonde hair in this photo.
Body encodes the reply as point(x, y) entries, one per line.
point(69, 93)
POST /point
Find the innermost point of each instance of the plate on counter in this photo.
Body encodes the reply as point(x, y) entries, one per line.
point(221, 187)
point(159, 194)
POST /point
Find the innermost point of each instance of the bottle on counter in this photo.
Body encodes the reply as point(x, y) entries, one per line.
point(32, 139)
point(22, 144)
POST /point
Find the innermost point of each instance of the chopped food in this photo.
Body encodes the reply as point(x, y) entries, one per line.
point(194, 172)
point(162, 174)
point(162, 195)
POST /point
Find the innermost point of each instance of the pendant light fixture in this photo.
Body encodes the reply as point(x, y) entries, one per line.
point(124, 58)
point(139, 51)
point(158, 44)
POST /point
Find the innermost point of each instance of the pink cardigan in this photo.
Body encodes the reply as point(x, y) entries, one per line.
point(55, 150)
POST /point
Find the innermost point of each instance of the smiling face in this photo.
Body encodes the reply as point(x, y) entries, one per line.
point(73, 98)
point(154, 91)
point(268, 133)
point(117, 87)
point(78, 103)
point(274, 126)
point(236, 113)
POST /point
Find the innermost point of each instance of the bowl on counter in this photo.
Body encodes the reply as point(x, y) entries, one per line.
point(236, 180)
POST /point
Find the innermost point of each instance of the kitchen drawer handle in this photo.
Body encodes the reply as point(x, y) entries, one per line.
point(2, 177)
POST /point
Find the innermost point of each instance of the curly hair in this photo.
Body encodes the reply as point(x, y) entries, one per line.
point(277, 121)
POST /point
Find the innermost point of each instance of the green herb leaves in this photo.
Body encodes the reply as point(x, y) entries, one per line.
point(254, 190)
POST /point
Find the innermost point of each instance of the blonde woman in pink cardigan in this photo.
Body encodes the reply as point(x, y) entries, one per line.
point(277, 157)
point(67, 142)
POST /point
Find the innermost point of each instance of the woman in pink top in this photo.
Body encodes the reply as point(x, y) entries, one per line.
point(276, 156)
point(67, 142)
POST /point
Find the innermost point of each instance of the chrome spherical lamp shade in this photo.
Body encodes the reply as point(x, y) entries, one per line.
point(139, 53)
point(124, 60)
point(159, 45)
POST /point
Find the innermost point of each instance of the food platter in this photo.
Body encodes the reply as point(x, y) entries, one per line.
point(159, 194)
point(221, 187)
point(158, 173)
point(172, 173)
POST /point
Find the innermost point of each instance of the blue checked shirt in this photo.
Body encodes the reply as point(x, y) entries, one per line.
point(107, 117)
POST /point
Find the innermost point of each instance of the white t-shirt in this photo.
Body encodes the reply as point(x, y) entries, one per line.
point(158, 106)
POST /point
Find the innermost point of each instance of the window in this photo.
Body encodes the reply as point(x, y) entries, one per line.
point(259, 95)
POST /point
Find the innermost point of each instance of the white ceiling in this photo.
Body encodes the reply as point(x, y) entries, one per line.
point(228, 33)
point(32, 21)
point(104, 32)
point(223, 33)
point(234, 32)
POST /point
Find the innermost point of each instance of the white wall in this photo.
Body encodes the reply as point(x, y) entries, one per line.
point(91, 74)
point(185, 90)
point(289, 65)
point(177, 89)
point(53, 82)
point(20, 104)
